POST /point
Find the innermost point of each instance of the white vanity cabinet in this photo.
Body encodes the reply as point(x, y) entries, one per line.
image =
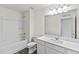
point(71, 51)
point(51, 51)
point(54, 48)
point(40, 49)
point(44, 47)
point(47, 48)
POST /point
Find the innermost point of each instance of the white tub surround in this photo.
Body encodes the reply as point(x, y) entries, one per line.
point(11, 31)
point(50, 45)
point(12, 47)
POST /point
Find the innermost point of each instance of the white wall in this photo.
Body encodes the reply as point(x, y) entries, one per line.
point(10, 28)
point(29, 24)
point(33, 23)
point(26, 25)
point(10, 14)
point(39, 26)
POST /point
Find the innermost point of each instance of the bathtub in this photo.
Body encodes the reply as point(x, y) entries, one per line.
point(12, 47)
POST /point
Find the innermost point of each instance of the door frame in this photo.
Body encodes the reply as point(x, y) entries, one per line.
point(73, 20)
point(71, 25)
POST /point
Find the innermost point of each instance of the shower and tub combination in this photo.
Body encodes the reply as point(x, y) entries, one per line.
point(11, 38)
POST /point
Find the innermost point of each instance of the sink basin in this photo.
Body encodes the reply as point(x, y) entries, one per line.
point(57, 40)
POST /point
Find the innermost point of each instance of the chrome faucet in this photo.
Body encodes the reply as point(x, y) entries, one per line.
point(57, 38)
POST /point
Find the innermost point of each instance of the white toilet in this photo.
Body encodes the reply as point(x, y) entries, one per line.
point(32, 46)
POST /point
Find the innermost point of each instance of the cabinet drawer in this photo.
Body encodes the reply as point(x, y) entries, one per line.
point(40, 42)
point(52, 51)
point(58, 48)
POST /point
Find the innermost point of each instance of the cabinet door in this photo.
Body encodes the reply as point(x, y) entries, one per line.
point(71, 51)
point(52, 51)
point(40, 49)
point(56, 47)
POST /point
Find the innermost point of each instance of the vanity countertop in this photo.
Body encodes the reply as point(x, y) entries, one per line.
point(70, 44)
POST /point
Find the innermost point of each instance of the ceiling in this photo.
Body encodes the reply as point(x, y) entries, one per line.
point(24, 7)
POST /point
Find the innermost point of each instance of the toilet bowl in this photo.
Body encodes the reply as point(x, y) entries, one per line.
point(31, 47)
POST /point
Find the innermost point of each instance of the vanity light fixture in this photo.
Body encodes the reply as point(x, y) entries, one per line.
point(60, 9)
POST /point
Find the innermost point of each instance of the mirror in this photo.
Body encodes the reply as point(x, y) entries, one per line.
point(52, 25)
point(62, 24)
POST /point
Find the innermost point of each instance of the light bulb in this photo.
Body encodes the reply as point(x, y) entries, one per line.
point(54, 11)
point(65, 9)
point(60, 10)
point(50, 12)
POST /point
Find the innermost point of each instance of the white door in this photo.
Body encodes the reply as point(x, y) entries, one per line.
point(66, 27)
